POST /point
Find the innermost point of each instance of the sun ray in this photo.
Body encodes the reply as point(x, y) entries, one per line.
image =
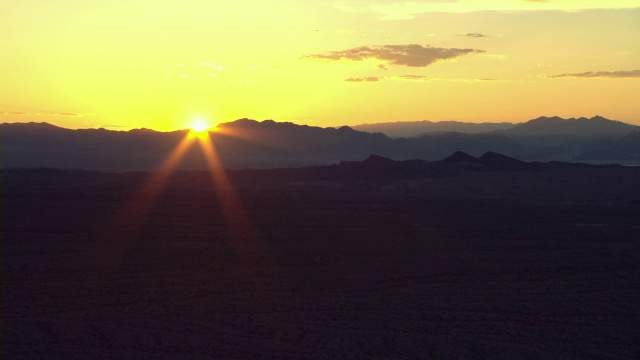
point(114, 244)
point(149, 191)
point(248, 135)
point(244, 237)
point(239, 224)
point(122, 230)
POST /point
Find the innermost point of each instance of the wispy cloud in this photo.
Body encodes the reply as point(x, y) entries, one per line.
point(421, 78)
point(413, 77)
point(21, 113)
point(364, 79)
point(424, 78)
point(412, 55)
point(601, 74)
point(475, 35)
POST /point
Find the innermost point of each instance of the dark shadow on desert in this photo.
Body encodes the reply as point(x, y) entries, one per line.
point(467, 258)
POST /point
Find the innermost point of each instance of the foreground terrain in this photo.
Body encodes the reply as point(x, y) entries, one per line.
point(366, 260)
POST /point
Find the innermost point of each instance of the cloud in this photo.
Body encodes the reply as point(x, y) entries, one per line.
point(424, 78)
point(602, 74)
point(412, 55)
point(364, 79)
point(413, 77)
point(475, 35)
point(21, 113)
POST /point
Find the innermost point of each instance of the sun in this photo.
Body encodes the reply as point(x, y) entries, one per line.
point(199, 126)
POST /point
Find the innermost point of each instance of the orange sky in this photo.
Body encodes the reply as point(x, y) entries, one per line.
point(128, 64)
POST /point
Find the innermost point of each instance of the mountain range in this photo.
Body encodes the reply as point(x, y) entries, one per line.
point(542, 126)
point(417, 128)
point(248, 143)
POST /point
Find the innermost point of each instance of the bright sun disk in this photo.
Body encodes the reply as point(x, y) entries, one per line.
point(199, 126)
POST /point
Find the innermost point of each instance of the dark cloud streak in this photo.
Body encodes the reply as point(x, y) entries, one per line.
point(412, 55)
point(413, 77)
point(475, 35)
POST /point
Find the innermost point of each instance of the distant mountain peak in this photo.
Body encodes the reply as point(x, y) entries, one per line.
point(459, 156)
point(492, 156)
point(346, 129)
point(244, 122)
point(377, 159)
point(142, 130)
point(555, 125)
point(546, 118)
point(560, 119)
point(33, 124)
point(409, 129)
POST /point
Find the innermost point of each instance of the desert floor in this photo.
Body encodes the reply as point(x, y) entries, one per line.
point(286, 265)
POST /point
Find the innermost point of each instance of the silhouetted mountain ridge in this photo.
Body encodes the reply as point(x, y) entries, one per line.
point(595, 126)
point(489, 159)
point(269, 144)
point(419, 128)
point(541, 126)
point(460, 157)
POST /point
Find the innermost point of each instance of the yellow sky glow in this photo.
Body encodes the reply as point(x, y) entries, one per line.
point(131, 64)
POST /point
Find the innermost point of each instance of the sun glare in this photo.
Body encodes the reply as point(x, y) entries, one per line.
point(199, 126)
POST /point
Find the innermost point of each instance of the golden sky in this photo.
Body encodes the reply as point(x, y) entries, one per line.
point(124, 64)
